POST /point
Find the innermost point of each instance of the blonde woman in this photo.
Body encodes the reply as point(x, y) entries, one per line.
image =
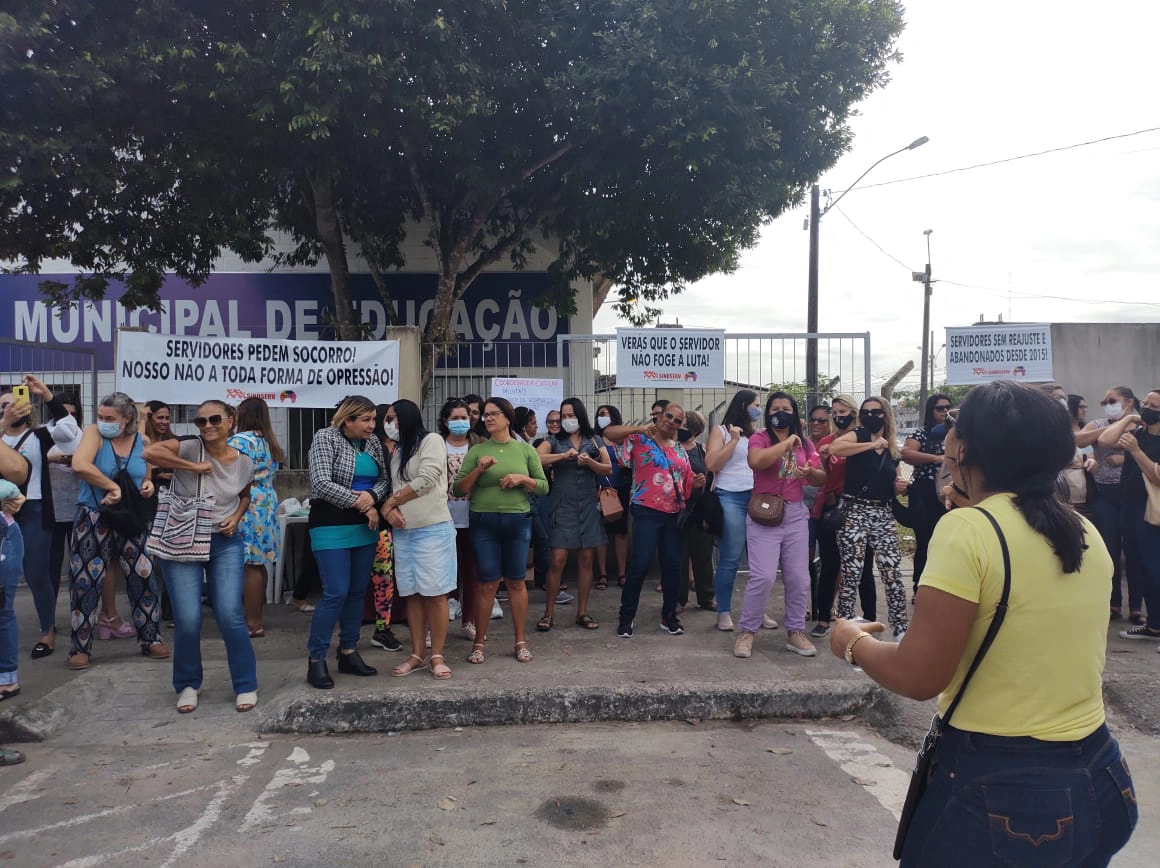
point(872, 479)
point(349, 481)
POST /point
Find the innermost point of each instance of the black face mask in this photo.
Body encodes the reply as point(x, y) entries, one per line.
point(780, 419)
point(1150, 416)
point(684, 435)
point(873, 424)
point(842, 422)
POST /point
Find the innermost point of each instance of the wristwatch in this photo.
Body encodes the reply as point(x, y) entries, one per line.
point(862, 634)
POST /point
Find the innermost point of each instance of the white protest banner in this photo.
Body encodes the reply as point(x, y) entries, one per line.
point(284, 373)
point(541, 395)
point(983, 353)
point(670, 358)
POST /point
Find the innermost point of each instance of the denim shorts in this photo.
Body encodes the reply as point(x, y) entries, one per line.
point(501, 541)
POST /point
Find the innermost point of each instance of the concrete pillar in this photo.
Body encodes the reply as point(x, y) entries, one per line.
point(410, 369)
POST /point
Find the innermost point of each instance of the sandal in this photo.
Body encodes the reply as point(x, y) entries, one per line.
point(187, 701)
point(476, 655)
point(523, 655)
point(587, 622)
point(602, 583)
point(407, 667)
point(301, 606)
point(257, 633)
point(440, 670)
point(246, 701)
point(620, 580)
point(10, 693)
point(10, 757)
point(544, 624)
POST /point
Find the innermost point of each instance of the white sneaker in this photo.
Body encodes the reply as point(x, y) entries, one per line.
point(725, 622)
point(767, 623)
point(467, 631)
point(454, 610)
point(496, 611)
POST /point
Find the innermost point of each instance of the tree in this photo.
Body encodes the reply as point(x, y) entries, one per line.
point(648, 140)
point(909, 399)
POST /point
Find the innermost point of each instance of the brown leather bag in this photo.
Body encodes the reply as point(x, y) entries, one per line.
point(766, 509)
point(610, 504)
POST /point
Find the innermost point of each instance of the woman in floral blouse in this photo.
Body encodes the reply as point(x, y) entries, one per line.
point(663, 482)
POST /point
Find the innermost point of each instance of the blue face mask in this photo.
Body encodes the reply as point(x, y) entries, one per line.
point(109, 429)
point(459, 427)
point(755, 413)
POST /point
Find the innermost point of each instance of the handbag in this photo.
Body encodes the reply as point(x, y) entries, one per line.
point(712, 512)
point(1152, 507)
point(183, 526)
point(834, 517)
point(766, 510)
point(610, 505)
point(684, 514)
point(133, 514)
point(928, 753)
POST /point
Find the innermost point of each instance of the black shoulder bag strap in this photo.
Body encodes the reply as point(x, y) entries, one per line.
point(929, 750)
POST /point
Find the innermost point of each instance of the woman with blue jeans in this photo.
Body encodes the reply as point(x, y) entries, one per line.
point(1026, 771)
point(726, 458)
point(209, 465)
point(13, 470)
point(349, 481)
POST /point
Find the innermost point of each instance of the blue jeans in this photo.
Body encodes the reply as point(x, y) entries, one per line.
point(735, 506)
point(1147, 541)
point(223, 574)
point(501, 541)
point(11, 561)
point(37, 566)
point(344, 574)
point(653, 532)
point(1022, 801)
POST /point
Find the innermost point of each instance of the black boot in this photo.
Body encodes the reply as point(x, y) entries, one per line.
point(352, 664)
point(317, 675)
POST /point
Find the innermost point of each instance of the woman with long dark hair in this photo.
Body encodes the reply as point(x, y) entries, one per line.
point(1138, 434)
point(783, 461)
point(923, 450)
point(617, 531)
point(458, 438)
point(872, 480)
point(210, 465)
point(1026, 772)
point(349, 480)
point(725, 458)
point(575, 523)
point(256, 440)
point(424, 534)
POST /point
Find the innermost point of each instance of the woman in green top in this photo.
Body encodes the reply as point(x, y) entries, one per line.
point(499, 474)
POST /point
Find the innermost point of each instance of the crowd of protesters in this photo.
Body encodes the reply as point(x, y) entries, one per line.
point(446, 523)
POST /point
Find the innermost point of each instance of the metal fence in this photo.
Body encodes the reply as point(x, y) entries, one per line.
point(66, 370)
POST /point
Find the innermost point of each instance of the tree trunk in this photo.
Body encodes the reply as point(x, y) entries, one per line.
point(330, 234)
point(601, 286)
point(437, 336)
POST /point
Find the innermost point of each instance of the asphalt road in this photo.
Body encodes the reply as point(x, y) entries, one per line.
point(811, 792)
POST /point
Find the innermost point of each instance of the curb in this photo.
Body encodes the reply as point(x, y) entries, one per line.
point(712, 701)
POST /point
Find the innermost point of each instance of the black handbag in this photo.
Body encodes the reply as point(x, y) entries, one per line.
point(133, 514)
point(927, 756)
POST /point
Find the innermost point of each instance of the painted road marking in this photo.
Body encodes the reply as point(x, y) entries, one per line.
point(865, 764)
point(27, 790)
point(261, 813)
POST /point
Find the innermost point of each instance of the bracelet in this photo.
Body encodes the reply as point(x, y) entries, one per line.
point(862, 634)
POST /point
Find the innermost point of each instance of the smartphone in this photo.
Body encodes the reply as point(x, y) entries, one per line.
point(20, 393)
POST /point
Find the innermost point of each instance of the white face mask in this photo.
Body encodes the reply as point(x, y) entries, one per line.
point(391, 429)
point(1062, 401)
point(603, 421)
point(1113, 412)
point(570, 425)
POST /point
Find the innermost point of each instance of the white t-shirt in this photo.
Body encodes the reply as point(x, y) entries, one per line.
point(30, 449)
point(736, 475)
point(460, 507)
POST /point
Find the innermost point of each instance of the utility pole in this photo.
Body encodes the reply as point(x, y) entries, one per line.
point(812, 303)
point(927, 337)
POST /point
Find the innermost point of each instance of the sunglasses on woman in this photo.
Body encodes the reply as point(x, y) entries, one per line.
point(202, 421)
point(877, 414)
point(674, 419)
point(942, 408)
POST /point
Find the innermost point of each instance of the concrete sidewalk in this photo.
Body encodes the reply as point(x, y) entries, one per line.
point(577, 676)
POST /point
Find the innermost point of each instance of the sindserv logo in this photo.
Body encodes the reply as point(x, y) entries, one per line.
point(242, 394)
point(667, 375)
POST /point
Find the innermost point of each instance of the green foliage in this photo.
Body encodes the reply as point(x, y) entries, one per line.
point(648, 139)
point(909, 399)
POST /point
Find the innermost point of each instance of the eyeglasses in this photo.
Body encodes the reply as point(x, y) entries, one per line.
point(877, 414)
point(674, 419)
point(942, 408)
point(552, 422)
point(202, 421)
point(821, 421)
point(492, 415)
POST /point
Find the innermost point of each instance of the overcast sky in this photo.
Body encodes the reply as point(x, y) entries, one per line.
point(1066, 237)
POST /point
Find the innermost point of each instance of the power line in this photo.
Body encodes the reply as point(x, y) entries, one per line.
point(1006, 159)
point(881, 249)
point(1019, 294)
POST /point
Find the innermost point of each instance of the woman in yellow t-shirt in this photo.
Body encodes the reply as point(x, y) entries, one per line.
point(1026, 771)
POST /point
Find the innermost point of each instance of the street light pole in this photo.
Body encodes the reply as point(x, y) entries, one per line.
point(816, 215)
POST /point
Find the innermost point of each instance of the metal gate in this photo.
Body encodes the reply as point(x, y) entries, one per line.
point(67, 370)
point(761, 362)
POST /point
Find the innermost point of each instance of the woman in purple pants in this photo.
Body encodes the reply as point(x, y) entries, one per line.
point(783, 462)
